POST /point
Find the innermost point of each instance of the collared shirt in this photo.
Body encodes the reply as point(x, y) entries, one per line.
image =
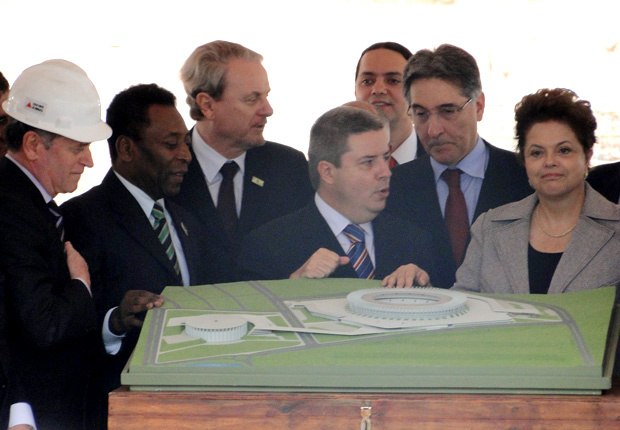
point(473, 166)
point(146, 203)
point(211, 162)
point(21, 413)
point(46, 197)
point(112, 341)
point(338, 222)
point(407, 150)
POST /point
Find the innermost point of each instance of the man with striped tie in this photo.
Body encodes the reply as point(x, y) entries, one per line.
point(343, 232)
point(51, 322)
point(135, 241)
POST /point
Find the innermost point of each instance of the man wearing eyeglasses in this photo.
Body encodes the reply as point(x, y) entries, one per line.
point(463, 175)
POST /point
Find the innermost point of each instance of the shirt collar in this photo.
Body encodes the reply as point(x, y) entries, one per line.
point(336, 221)
point(145, 201)
point(473, 164)
point(210, 160)
point(46, 196)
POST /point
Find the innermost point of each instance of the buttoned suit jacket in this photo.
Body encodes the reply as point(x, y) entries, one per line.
point(496, 260)
point(413, 197)
point(278, 248)
point(111, 231)
point(606, 180)
point(276, 182)
point(52, 328)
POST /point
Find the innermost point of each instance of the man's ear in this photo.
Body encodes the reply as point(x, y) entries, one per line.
point(206, 103)
point(125, 148)
point(326, 171)
point(32, 145)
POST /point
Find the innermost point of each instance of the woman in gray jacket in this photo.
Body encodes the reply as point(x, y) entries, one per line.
point(565, 236)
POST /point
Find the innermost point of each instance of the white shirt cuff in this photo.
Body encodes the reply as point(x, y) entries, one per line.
point(111, 341)
point(21, 413)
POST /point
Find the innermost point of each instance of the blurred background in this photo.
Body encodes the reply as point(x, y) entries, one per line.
point(311, 48)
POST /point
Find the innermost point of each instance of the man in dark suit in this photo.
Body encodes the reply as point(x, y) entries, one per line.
point(116, 225)
point(52, 330)
point(379, 81)
point(14, 410)
point(463, 175)
point(349, 168)
point(236, 181)
point(606, 180)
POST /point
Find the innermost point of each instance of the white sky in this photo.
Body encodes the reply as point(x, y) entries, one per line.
point(311, 48)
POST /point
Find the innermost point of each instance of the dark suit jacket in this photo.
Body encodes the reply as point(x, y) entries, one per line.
point(285, 187)
point(11, 390)
point(52, 324)
point(109, 228)
point(413, 197)
point(280, 247)
point(606, 180)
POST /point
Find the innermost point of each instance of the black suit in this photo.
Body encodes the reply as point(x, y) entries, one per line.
point(413, 197)
point(280, 247)
point(10, 385)
point(606, 180)
point(52, 327)
point(111, 231)
point(275, 183)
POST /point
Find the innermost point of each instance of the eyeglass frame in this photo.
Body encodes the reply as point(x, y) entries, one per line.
point(445, 112)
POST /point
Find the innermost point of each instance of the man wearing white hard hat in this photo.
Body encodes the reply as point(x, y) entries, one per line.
point(52, 329)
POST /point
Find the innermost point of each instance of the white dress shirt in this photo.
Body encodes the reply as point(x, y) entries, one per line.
point(112, 341)
point(407, 150)
point(211, 162)
point(338, 222)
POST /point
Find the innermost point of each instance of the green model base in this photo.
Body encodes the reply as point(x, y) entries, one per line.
point(573, 355)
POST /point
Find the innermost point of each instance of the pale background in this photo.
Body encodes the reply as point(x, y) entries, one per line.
point(311, 48)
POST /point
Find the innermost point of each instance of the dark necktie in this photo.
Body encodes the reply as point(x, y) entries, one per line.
point(163, 234)
point(456, 218)
point(55, 210)
point(358, 254)
point(226, 206)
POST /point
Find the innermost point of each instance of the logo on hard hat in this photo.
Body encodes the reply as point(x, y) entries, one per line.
point(35, 106)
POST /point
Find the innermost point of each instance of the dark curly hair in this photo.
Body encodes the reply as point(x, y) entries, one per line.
point(559, 104)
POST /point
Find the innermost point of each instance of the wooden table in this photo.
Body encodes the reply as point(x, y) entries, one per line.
point(174, 410)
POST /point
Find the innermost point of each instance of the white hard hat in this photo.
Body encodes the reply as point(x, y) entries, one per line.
point(57, 96)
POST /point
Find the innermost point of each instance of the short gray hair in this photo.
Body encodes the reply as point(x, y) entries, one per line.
point(329, 136)
point(448, 63)
point(205, 70)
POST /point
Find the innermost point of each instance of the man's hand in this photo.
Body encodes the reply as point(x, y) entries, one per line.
point(129, 314)
point(320, 265)
point(21, 427)
point(407, 275)
point(77, 265)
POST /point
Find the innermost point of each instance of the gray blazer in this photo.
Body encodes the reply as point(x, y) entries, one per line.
point(496, 259)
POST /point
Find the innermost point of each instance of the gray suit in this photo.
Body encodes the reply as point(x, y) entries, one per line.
point(496, 259)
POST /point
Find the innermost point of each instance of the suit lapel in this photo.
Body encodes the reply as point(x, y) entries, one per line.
point(511, 243)
point(253, 189)
point(317, 234)
point(131, 218)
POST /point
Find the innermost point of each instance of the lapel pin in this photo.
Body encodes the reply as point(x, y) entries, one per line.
point(258, 181)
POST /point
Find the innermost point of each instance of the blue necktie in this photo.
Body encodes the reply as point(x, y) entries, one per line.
point(55, 210)
point(358, 254)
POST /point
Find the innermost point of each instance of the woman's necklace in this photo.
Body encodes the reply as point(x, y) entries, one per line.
point(542, 227)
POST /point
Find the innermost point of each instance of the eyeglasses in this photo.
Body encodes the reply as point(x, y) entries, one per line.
point(446, 112)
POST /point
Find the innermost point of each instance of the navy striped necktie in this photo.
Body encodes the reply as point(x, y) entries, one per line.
point(358, 254)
